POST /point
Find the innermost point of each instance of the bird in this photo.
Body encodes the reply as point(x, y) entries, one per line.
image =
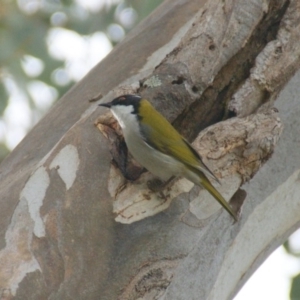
point(156, 145)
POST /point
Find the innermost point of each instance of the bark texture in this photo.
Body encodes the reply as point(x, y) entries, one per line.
point(71, 226)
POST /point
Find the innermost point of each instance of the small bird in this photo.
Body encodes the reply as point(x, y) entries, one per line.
point(156, 145)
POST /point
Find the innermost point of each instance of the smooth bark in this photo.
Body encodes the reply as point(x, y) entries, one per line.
point(71, 226)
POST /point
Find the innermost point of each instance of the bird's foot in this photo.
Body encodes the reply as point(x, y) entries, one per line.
point(157, 185)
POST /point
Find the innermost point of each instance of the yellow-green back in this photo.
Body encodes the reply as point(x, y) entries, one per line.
point(165, 137)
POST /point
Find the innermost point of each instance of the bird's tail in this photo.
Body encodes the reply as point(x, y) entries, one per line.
point(204, 182)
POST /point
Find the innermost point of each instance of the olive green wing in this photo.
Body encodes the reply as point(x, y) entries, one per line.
point(162, 136)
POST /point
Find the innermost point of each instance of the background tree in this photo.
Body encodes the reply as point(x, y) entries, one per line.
point(33, 61)
point(58, 236)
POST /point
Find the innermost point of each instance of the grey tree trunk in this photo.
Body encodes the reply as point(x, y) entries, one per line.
point(71, 226)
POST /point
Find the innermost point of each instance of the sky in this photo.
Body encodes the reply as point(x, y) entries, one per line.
point(272, 280)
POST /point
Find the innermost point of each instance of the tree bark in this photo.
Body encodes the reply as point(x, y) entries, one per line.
point(71, 226)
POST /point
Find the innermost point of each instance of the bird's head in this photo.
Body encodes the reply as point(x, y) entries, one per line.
point(125, 108)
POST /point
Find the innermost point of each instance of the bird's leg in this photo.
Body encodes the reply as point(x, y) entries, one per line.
point(157, 185)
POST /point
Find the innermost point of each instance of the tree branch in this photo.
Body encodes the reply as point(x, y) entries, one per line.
point(198, 62)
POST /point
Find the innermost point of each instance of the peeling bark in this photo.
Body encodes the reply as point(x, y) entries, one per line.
point(201, 63)
point(235, 149)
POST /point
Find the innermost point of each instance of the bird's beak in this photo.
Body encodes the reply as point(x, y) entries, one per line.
point(106, 104)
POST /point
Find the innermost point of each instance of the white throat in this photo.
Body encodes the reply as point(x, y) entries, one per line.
point(124, 116)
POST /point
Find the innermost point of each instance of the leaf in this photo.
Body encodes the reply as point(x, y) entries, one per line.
point(3, 98)
point(295, 288)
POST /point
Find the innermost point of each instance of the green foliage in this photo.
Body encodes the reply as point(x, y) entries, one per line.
point(289, 249)
point(3, 97)
point(3, 151)
point(25, 26)
point(295, 281)
point(144, 7)
point(295, 288)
